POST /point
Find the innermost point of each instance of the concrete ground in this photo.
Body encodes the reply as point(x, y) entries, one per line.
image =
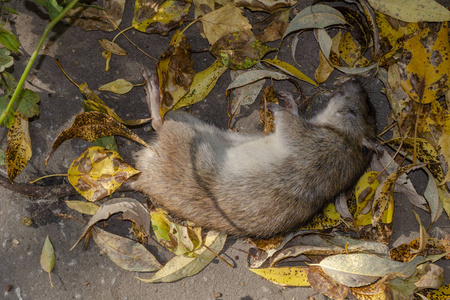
point(87, 274)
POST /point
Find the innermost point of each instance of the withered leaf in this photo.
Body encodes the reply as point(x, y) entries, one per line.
point(384, 192)
point(112, 47)
point(425, 66)
point(265, 115)
point(156, 16)
point(18, 147)
point(132, 210)
point(269, 6)
point(324, 284)
point(223, 21)
point(183, 266)
point(92, 18)
point(125, 253)
point(92, 125)
point(103, 108)
point(239, 50)
point(175, 72)
point(98, 172)
point(176, 238)
point(202, 84)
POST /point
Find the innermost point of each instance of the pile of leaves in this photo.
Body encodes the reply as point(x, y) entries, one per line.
point(405, 43)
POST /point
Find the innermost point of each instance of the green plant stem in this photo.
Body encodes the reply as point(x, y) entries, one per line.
point(47, 30)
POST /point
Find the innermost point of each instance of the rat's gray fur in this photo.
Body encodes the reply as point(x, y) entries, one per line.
point(257, 185)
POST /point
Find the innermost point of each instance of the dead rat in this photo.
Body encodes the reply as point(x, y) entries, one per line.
point(256, 185)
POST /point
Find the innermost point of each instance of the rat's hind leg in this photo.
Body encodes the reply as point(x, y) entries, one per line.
point(289, 102)
point(153, 97)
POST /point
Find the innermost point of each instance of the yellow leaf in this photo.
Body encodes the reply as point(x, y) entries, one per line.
point(440, 294)
point(119, 86)
point(364, 192)
point(151, 18)
point(329, 219)
point(289, 69)
point(223, 21)
point(98, 172)
point(176, 238)
point(350, 52)
point(412, 10)
point(425, 64)
point(83, 207)
point(444, 144)
point(18, 147)
point(285, 276)
point(202, 84)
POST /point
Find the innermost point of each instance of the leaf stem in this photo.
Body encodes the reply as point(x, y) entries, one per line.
point(47, 30)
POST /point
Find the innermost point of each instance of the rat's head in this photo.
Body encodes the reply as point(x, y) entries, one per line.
point(349, 111)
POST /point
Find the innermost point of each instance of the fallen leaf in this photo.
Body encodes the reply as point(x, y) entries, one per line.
point(265, 115)
point(18, 147)
point(125, 253)
point(183, 266)
point(92, 18)
point(239, 50)
point(112, 47)
point(289, 69)
point(48, 258)
point(316, 16)
point(87, 208)
point(156, 16)
point(131, 210)
point(284, 276)
point(324, 284)
point(90, 126)
point(175, 72)
point(374, 291)
point(223, 21)
point(119, 86)
point(383, 195)
point(176, 238)
point(424, 66)
point(244, 95)
point(440, 294)
point(354, 270)
point(412, 10)
point(253, 76)
point(201, 85)
point(270, 6)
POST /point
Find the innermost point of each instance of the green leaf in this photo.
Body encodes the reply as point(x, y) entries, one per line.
point(9, 40)
point(27, 103)
point(9, 10)
point(52, 7)
point(2, 157)
point(9, 120)
point(108, 142)
point(6, 60)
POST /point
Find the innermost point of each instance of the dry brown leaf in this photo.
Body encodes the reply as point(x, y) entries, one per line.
point(92, 125)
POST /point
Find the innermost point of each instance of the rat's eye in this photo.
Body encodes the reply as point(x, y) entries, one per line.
point(352, 112)
point(365, 150)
